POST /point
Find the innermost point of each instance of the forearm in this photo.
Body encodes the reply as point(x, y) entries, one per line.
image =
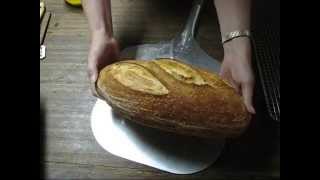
point(99, 17)
point(233, 14)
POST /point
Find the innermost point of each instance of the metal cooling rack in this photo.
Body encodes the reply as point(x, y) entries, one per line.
point(266, 42)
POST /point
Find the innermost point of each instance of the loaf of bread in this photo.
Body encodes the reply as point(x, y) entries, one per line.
point(173, 96)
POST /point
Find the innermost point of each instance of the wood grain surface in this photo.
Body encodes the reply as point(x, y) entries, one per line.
point(69, 148)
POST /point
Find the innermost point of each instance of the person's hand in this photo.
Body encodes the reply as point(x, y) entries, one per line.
point(103, 51)
point(236, 68)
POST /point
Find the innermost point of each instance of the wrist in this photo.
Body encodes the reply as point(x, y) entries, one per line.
point(100, 40)
point(239, 47)
point(101, 34)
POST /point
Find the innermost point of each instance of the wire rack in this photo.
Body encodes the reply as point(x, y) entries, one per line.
point(266, 42)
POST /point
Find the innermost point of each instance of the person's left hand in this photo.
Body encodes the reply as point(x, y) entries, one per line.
point(236, 68)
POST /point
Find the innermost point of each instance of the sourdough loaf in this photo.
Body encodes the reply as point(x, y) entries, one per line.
point(173, 96)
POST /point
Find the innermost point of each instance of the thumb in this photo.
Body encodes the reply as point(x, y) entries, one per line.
point(92, 73)
point(93, 77)
point(224, 74)
point(247, 93)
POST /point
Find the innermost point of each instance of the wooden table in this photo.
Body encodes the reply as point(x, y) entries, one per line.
point(69, 148)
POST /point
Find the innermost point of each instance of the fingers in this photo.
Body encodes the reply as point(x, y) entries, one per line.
point(227, 76)
point(235, 85)
point(93, 89)
point(93, 76)
point(247, 93)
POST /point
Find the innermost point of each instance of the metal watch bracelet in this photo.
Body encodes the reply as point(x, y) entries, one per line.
point(235, 34)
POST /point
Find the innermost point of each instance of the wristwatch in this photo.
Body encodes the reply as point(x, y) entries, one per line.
point(235, 34)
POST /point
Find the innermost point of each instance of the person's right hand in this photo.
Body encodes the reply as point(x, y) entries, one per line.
point(103, 51)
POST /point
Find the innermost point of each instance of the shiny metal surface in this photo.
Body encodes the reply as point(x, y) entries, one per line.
point(161, 150)
point(183, 47)
point(235, 34)
point(151, 147)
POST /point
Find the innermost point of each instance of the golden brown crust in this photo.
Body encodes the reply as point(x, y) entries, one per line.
point(196, 103)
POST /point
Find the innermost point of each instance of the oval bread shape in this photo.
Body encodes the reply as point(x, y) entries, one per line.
point(173, 96)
